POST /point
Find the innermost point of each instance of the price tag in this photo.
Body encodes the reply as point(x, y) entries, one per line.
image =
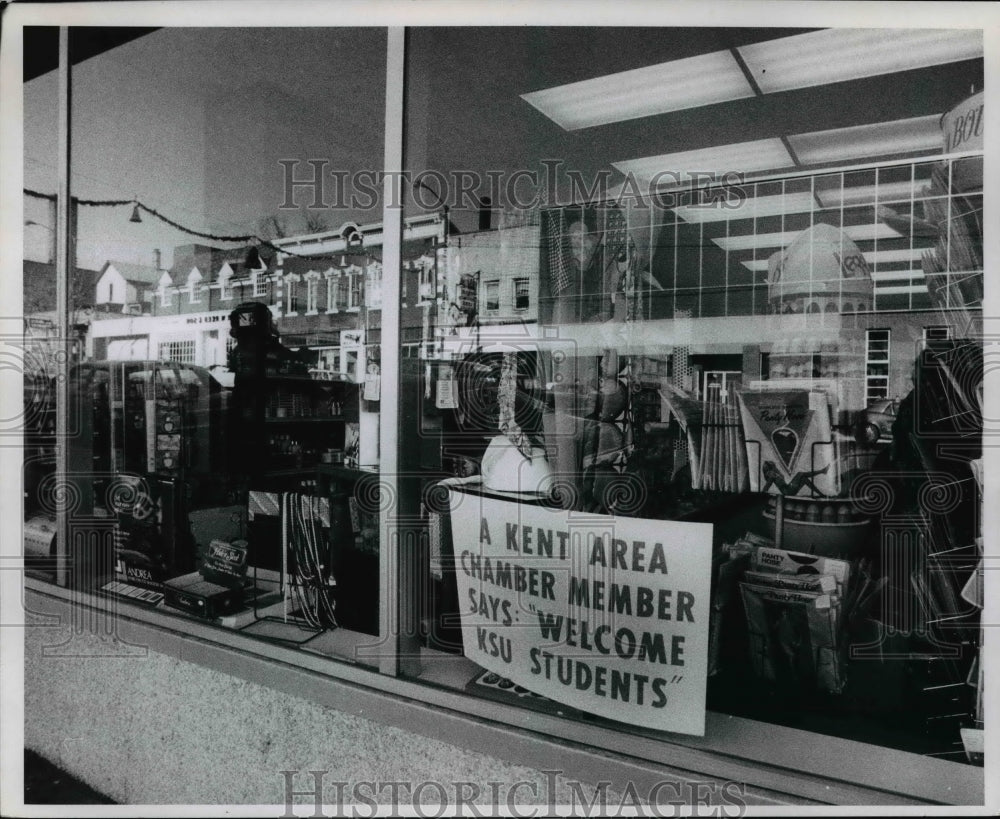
point(225, 561)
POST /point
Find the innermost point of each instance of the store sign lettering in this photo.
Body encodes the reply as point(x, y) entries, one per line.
point(853, 265)
point(964, 129)
point(211, 319)
point(607, 615)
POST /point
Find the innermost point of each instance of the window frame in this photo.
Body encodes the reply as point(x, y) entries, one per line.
point(226, 284)
point(289, 295)
point(312, 292)
point(526, 281)
point(873, 383)
point(259, 283)
point(707, 757)
point(332, 282)
point(493, 284)
point(188, 345)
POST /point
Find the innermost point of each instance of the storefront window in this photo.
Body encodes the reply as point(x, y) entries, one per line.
point(221, 444)
point(727, 350)
point(685, 414)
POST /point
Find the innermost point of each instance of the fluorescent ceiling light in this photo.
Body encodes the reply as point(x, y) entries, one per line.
point(913, 289)
point(759, 240)
point(865, 194)
point(914, 276)
point(910, 275)
point(644, 92)
point(857, 233)
point(868, 233)
point(838, 54)
point(798, 202)
point(740, 157)
point(901, 136)
point(888, 256)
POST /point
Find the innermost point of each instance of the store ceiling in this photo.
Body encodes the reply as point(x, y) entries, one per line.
point(41, 45)
point(470, 107)
point(468, 91)
point(737, 85)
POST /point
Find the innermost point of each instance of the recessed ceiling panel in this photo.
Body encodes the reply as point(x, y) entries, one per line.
point(901, 136)
point(742, 157)
point(643, 92)
point(836, 55)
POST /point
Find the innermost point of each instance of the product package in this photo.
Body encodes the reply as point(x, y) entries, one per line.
point(795, 639)
point(783, 562)
point(731, 566)
point(789, 441)
point(818, 583)
point(796, 608)
point(715, 442)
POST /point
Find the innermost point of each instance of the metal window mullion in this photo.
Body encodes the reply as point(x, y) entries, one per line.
point(391, 553)
point(701, 267)
point(677, 233)
point(812, 259)
point(947, 239)
point(840, 279)
point(725, 290)
point(753, 222)
point(63, 261)
point(913, 216)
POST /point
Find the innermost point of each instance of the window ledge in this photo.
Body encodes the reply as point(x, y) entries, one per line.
point(779, 765)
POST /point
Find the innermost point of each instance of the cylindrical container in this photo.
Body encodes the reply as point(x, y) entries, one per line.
point(962, 129)
point(821, 527)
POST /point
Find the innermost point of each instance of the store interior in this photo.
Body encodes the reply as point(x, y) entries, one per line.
point(780, 338)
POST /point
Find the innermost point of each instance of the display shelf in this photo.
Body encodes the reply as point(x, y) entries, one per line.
point(291, 471)
point(306, 419)
point(340, 471)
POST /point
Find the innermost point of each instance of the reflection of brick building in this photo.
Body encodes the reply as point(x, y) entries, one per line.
point(501, 267)
point(331, 285)
point(39, 307)
point(40, 287)
point(179, 313)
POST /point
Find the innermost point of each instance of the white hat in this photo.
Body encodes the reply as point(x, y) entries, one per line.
point(506, 469)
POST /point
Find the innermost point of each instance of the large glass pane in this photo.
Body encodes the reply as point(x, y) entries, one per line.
point(224, 453)
point(738, 352)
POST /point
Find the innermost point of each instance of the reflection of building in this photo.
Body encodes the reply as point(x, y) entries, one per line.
point(40, 288)
point(178, 314)
point(40, 328)
point(124, 287)
point(497, 271)
point(329, 289)
point(324, 292)
point(199, 338)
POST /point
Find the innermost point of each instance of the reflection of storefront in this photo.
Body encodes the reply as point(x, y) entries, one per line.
point(605, 482)
point(200, 338)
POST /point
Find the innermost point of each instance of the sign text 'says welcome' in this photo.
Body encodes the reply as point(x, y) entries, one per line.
point(607, 615)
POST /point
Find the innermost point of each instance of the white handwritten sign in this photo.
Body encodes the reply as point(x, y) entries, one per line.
point(605, 614)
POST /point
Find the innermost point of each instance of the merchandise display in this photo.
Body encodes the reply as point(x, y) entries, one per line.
point(680, 469)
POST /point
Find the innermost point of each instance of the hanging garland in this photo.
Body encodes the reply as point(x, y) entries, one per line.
point(248, 238)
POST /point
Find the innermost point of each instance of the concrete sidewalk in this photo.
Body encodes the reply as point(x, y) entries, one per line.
point(46, 784)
